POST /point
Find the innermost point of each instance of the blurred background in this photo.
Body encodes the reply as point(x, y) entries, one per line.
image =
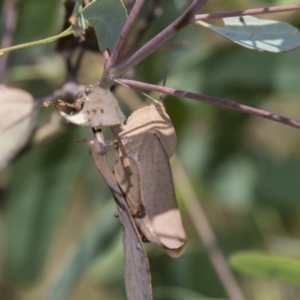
point(59, 238)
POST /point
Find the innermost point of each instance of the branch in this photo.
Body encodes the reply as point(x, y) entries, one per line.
point(206, 233)
point(185, 19)
point(252, 11)
point(213, 100)
point(125, 32)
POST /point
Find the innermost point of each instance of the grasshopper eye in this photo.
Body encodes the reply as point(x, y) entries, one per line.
point(141, 215)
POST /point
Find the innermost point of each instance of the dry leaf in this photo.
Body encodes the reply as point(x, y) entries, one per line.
point(17, 116)
point(100, 108)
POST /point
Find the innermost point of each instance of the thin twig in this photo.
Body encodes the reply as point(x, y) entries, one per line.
point(9, 17)
point(252, 11)
point(213, 100)
point(164, 83)
point(158, 40)
point(125, 32)
point(206, 233)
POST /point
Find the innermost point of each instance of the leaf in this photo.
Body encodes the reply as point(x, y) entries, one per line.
point(95, 242)
point(267, 266)
point(107, 17)
point(100, 108)
point(258, 34)
point(17, 117)
point(40, 186)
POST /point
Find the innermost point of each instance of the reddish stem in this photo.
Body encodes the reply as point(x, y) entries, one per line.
point(158, 40)
point(213, 100)
point(125, 32)
point(252, 11)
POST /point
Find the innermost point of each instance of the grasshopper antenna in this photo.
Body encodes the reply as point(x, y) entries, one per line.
point(164, 83)
point(146, 95)
point(142, 93)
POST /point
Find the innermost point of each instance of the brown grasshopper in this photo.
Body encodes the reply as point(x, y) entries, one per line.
point(149, 140)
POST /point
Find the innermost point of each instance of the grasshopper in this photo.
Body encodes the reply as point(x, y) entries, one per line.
point(149, 140)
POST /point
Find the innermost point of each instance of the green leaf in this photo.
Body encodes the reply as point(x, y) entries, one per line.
point(267, 266)
point(41, 184)
point(107, 17)
point(258, 34)
point(97, 240)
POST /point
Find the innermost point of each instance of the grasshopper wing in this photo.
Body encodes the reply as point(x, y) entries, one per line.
point(162, 224)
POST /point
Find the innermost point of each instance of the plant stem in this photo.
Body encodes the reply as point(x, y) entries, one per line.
point(213, 100)
point(206, 233)
point(67, 32)
point(125, 32)
point(252, 11)
point(157, 41)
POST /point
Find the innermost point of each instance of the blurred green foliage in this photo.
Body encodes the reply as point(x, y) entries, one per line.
point(268, 266)
point(245, 170)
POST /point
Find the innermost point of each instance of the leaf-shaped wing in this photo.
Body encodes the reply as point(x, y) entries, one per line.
point(162, 224)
